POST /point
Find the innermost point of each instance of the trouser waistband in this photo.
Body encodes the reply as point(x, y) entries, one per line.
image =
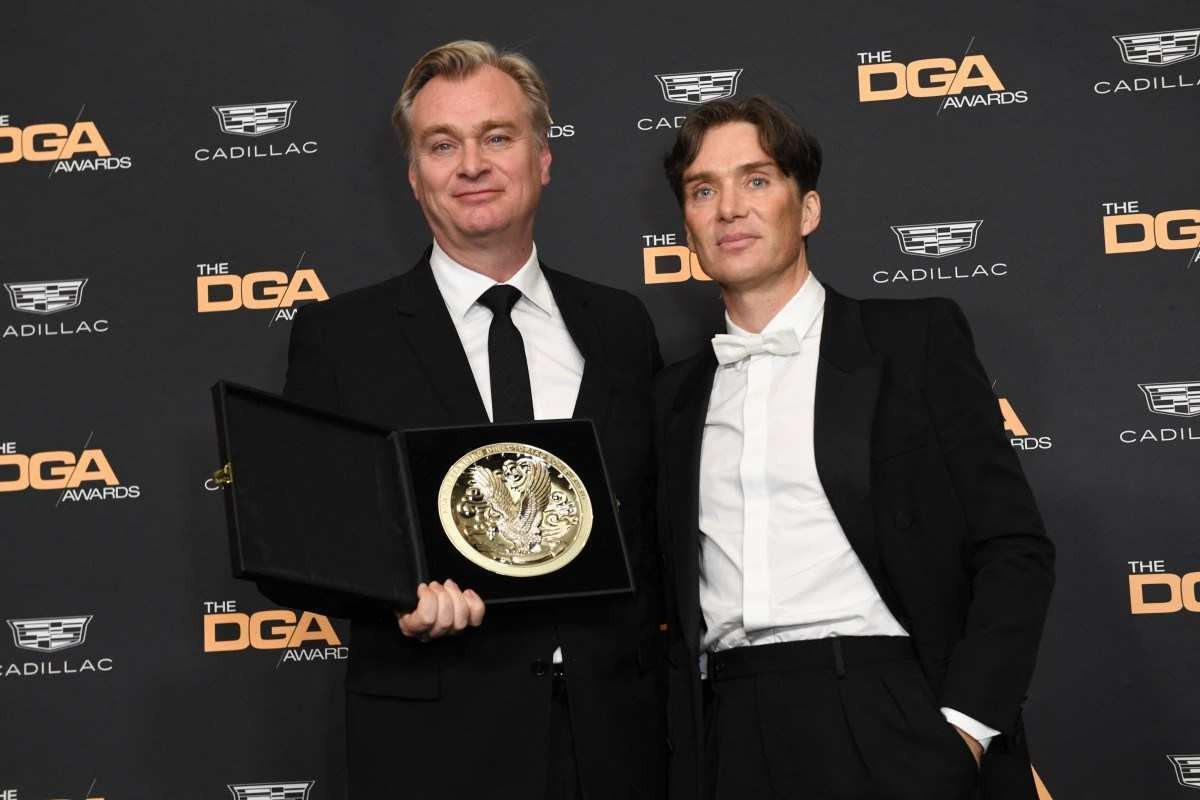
point(836, 654)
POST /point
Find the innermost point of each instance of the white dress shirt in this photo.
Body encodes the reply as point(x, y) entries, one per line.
point(555, 363)
point(775, 564)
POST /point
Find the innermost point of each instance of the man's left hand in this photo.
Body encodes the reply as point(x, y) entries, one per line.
point(976, 747)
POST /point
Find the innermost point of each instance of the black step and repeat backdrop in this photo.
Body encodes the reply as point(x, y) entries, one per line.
point(177, 179)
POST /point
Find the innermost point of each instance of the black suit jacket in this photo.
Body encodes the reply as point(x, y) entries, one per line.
point(911, 452)
point(389, 354)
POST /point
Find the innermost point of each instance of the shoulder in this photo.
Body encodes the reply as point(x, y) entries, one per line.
point(670, 378)
point(895, 324)
point(353, 305)
point(911, 313)
point(594, 294)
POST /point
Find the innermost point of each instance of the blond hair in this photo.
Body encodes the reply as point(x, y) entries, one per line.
point(461, 59)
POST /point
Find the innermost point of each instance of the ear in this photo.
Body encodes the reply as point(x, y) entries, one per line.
point(412, 174)
point(544, 160)
point(810, 212)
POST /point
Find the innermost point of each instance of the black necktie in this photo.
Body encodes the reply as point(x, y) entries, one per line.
point(512, 399)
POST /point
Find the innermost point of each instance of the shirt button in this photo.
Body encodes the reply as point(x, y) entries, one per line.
point(539, 667)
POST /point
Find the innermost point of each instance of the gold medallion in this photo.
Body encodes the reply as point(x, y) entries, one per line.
point(515, 509)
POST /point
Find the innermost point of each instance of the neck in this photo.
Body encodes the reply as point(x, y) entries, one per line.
point(752, 307)
point(498, 260)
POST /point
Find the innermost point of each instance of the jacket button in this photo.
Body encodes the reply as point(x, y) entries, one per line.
point(539, 667)
point(903, 519)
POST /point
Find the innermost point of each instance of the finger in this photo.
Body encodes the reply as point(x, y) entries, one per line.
point(418, 621)
point(460, 605)
point(475, 608)
point(445, 612)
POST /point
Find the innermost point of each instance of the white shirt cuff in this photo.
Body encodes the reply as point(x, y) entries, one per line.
point(973, 727)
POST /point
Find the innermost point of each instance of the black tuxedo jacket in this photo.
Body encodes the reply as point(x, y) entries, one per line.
point(911, 452)
point(467, 715)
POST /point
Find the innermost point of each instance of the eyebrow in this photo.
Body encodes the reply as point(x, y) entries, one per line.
point(450, 130)
point(753, 166)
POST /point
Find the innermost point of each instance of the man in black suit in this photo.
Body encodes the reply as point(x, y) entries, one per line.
point(440, 701)
point(859, 572)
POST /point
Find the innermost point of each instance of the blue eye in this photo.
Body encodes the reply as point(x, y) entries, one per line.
point(758, 181)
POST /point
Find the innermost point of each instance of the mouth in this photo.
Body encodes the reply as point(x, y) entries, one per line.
point(476, 195)
point(736, 241)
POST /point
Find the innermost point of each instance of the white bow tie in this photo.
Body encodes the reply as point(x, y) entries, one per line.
point(731, 348)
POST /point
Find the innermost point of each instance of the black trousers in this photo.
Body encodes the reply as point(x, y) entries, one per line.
point(380, 764)
point(562, 769)
point(848, 718)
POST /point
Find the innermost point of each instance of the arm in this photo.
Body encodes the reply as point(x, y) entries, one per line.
point(1008, 555)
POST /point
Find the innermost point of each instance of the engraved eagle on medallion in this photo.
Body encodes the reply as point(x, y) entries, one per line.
point(515, 508)
point(517, 497)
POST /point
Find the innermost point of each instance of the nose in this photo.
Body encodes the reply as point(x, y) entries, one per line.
point(731, 205)
point(473, 164)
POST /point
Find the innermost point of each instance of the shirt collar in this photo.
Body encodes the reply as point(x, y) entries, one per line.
point(799, 313)
point(461, 286)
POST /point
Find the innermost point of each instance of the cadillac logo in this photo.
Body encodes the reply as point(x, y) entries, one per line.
point(256, 119)
point(1159, 49)
point(694, 88)
point(1173, 399)
point(292, 790)
point(46, 297)
point(1187, 770)
point(50, 634)
point(937, 239)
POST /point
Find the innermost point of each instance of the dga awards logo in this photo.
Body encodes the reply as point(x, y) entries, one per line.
point(86, 477)
point(1155, 590)
point(1187, 770)
point(274, 290)
point(1156, 51)
point(665, 260)
point(255, 120)
point(1019, 435)
point(48, 635)
point(690, 89)
point(73, 147)
point(309, 637)
point(1179, 399)
point(939, 240)
point(291, 790)
point(44, 299)
point(967, 84)
point(1129, 229)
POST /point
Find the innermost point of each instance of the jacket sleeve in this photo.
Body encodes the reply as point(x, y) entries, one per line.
point(1009, 557)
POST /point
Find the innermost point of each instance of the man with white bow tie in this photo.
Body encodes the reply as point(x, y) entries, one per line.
point(858, 568)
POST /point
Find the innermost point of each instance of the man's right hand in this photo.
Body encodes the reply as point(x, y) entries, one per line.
point(442, 610)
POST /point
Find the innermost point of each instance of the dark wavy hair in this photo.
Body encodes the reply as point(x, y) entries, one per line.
point(794, 149)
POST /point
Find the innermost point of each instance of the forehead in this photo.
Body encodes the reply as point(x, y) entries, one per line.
point(486, 94)
point(726, 147)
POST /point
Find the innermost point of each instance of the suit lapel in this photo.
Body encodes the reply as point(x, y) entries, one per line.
point(684, 434)
point(426, 325)
point(848, 380)
point(595, 387)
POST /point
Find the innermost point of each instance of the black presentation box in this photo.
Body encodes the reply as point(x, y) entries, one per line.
point(326, 501)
